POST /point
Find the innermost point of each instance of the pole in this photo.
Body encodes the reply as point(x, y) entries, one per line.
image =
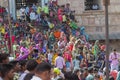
point(107, 39)
point(9, 20)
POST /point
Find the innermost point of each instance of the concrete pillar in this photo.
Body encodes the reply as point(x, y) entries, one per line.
point(12, 6)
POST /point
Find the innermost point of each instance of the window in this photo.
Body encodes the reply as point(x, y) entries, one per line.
point(92, 4)
point(21, 3)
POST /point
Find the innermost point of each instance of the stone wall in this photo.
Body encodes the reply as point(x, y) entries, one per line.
point(4, 3)
point(94, 21)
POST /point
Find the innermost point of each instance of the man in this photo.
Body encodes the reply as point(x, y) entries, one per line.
point(50, 56)
point(90, 76)
point(4, 58)
point(114, 58)
point(32, 16)
point(30, 66)
point(43, 72)
point(59, 61)
point(7, 72)
point(22, 13)
point(45, 9)
point(16, 67)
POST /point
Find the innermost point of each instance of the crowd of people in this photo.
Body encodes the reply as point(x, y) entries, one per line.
point(48, 45)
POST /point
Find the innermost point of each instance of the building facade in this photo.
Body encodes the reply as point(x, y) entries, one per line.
point(91, 14)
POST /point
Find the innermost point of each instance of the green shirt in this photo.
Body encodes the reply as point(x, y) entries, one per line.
point(45, 9)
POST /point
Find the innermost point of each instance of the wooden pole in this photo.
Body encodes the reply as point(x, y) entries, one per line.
point(9, 20)
point(106, 3)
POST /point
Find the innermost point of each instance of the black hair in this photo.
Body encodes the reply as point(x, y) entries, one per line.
point(90, 69)
point(14, 62)
point(44, 66)
point(74, 77)
point(3, 57)
point(77, 57)
point(76, 71)
point(114, 50)
point(29, 76)
point(68, 75)
point(31, 65)
point(22, 62)
point(60, 78)
point(5, 69)
point(59, 54)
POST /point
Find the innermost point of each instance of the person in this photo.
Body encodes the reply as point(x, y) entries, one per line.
point(32, 16)
point(43, 72)
point(96, 49)
point(90, 76)
point(30, 68)
point(76, 75)
point(16, 68)
point(22, 66)
point(114, 73)
point(29, 76)
point(39, 9)
point(7, 72)
point(59, 61)
point(22, 13)
point(45, 9)
point(4, 58)
point(114, 58)
point(76, 63)
point(50, 55)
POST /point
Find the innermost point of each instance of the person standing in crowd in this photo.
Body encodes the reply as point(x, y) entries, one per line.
point(76, 63)
point(60, 62)
point(96, 49)
point(114, 58)
point(34, 7)
point(4, 58)
point(27, 11)
point(43, 72)
point(30, 68)
point(39, 9)
point(50, 55)
point(16, 67)
point(90, 74)
point(32, 16)
point(7, 72)
point(22, 13)
point(45, 9)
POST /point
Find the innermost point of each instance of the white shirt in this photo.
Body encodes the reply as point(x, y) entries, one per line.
point(23, 75)
point(59, 62)
point(22, 12)
point(36, 78)
point(32, 16)
point(1, 78)
point(50, 57)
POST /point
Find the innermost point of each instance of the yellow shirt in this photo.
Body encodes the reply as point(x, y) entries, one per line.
point(39, 9)
point(53, 59)
point(64, 18)
point(2, 30)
